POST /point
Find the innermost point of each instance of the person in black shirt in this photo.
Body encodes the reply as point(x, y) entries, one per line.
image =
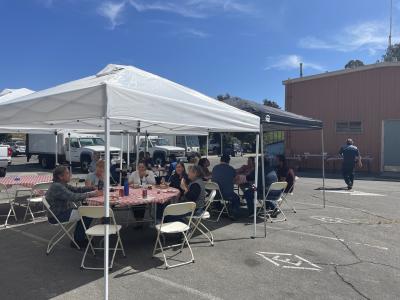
point(351, 156)
point(285, 173)
point(177, 176)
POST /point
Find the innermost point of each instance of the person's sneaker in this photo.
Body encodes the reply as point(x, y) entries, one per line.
point(349, 187)
point(275, 213)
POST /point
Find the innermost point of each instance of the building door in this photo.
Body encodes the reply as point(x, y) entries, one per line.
point(391, 146)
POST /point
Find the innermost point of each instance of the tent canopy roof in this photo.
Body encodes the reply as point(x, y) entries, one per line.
point(130, 98)
point(273, 119)
point(9, 94)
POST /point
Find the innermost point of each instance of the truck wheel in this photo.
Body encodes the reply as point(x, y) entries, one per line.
point(159, 159)
point(43, 162)
point(85, 163)
point(3, 172)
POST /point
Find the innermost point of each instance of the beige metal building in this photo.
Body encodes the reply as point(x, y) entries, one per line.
point(361, 103)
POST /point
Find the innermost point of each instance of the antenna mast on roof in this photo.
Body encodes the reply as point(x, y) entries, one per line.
point(391, 24)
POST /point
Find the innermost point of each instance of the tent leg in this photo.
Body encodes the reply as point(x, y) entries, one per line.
point(208, 134)
point(256, 183)
point(106, 204)
point(137, 149)
point(128, 160)
point(56, 153)
point(222, 141)
point(69, 153)
point(263, 180)
point(323, 167)
point(121, 158)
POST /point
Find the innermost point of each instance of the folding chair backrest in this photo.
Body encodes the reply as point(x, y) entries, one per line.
point(41, 187)
point(210, 185)
point(95, 212)
point(3, 188)
point(179, 209)
point(278, 188)
point(210, 199)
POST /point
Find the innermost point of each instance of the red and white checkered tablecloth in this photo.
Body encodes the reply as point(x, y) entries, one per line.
point(158, 196)
point(27, 181)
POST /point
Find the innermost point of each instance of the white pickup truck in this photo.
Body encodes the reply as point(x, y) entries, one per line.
point(5, 155)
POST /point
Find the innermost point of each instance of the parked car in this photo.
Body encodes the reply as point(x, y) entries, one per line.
point(5, 158)
point(18, 148)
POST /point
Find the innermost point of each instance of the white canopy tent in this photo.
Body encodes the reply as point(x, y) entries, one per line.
point(125, 98)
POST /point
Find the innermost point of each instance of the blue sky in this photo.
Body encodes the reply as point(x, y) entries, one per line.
point(245, 48)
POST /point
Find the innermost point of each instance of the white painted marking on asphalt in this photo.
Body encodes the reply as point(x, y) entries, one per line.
point(325, 237)
point(355, 193)
point(320, 205)
point(288, 261)
point(333, 220)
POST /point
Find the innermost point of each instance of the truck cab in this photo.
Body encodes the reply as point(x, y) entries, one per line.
point(160, 149)
point(191, 145)
point(5, 158)
point(83, 148)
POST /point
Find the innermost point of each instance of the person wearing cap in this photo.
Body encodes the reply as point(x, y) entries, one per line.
point(224, 175)
point(351, 156)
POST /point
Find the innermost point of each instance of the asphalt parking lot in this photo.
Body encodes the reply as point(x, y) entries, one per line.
point(347, 250)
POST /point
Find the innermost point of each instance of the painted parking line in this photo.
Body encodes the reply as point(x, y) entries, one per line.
point(333, 220)
point(288, 261)
point(354, 193)
point(325, 237)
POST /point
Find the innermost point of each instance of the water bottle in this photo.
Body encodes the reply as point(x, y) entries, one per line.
point(126, 187)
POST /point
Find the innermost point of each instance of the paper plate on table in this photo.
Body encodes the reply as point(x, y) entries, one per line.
point(148, 198)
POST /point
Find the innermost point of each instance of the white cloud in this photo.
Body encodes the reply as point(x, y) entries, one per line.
point(112, 11)
point(193, 8)
point(195, 33)
point(370, 36)
point(291, 62)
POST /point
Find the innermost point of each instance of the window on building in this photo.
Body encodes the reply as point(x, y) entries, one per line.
point(349, 127)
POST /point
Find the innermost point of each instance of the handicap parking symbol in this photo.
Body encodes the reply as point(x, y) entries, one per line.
point(288, 261)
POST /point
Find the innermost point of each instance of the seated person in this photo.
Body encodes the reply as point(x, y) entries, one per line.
point(194, 191)
point(96, 179)
point(95, 159)
point(247, 169)
point(148, 161)
point(142, 176)
point(176, 178)
point(270, 177)
point(172, 165)
point(224, 175)
point(204, 164)
point(285, 173)
point(63, 199)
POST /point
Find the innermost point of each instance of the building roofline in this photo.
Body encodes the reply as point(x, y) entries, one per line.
point(344, 71)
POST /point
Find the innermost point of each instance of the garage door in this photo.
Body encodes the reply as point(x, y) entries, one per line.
point(391, 146)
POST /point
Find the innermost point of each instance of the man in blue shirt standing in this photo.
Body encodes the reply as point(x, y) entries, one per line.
point(351, 156)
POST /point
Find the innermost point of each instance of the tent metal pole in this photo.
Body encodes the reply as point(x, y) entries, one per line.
point(69, 153)
point(56, 154)
point(128, 160)
point(263, 179)
point(146, 148)
point(323, 167)
point(208, 134)
point(256, 183)
point(137, 144)
point(106, 205)
point(121, 158)
point(222, 142)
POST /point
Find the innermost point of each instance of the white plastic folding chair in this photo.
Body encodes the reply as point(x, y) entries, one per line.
point(11, 212)
point(214, 186)
point(65, 229)
point(38, 192)
point(197, 223)
point(276, 188)
point(97, 230)
point(176, 227)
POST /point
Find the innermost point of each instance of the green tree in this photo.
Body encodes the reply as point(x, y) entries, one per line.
point(354, 63)
point(223, 97)
point(271, 103)
point(392, 53)
point(4, 137)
